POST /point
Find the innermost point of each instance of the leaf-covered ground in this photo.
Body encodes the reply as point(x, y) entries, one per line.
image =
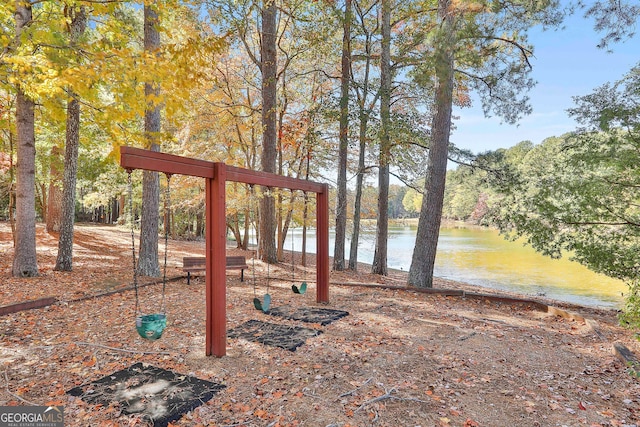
point(399, 358)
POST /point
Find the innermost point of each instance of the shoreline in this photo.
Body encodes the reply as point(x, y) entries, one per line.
point(48, 245)
point(440, 285)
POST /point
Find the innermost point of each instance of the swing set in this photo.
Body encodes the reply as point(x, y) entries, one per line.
point(216, 175)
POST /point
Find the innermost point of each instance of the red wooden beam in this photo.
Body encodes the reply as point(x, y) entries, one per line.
point(267, 179)
point(136, 158)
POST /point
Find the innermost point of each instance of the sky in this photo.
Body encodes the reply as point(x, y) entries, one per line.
point(566, 63)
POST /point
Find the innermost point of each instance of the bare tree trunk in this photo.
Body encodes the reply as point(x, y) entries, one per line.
point(269, 65)
point(282, 228)
point(247, 225)
point(341, 202)
point(12, 189)
point(233, 224)
point(54, 200)
point(64, 260)
point(12, 218)
point(305, 216)
point(382, 232)
point(115, 210)
point(424, 253)
point(200, 224)
point(286, 224)
point(121, 208)
point(25, 263)
point(41, 199)
point(148, 257)
point(364, 106)
point(357, 207)
point(305, 212)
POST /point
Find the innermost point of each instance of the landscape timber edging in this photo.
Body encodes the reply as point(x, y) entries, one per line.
point(27, 305)
point(629, 359)
point(47, 301)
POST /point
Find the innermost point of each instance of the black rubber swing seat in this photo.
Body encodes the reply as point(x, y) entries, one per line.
point(301, 290)
point(262, 305)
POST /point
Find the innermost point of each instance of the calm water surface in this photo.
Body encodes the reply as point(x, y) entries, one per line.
point(482, 257)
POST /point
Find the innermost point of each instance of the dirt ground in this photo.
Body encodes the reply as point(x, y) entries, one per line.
point(400, 358)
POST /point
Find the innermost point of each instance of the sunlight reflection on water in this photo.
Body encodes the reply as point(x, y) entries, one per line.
point(480, 256)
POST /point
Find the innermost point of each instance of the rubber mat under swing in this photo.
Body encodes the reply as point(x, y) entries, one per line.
point(158, 395)
point(322, 316)
point(273, 334)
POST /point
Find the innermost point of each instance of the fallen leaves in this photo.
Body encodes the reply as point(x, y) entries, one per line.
point(444, 421)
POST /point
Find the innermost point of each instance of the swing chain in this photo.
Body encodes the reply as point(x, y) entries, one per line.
point(266, 301)
point(133, 240)
point(149, 326)
point(255, 255)
point(167, 220)
point(293, 254)
point(303, 286)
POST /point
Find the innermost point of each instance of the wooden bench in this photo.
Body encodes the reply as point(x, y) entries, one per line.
point(194, 264)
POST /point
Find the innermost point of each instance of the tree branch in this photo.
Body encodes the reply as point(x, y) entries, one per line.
point(123, 350)
point(523, 50)
point(6, 379)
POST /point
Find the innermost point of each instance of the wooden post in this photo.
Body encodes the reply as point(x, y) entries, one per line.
point(209, 202)
point(322, 245)
point(216, 340)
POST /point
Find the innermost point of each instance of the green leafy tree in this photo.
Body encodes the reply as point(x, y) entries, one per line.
point(389, 110)
point(101, 70)
point(463, 191)
point(479, 46)
point(472, 191)
point(615, 18)
point(366, 97)
point(579, 194)
point(412, 201)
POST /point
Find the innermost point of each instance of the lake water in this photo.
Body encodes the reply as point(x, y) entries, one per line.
point(482, 257)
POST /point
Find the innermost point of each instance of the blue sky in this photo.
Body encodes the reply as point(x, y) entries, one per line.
point(567, 63)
